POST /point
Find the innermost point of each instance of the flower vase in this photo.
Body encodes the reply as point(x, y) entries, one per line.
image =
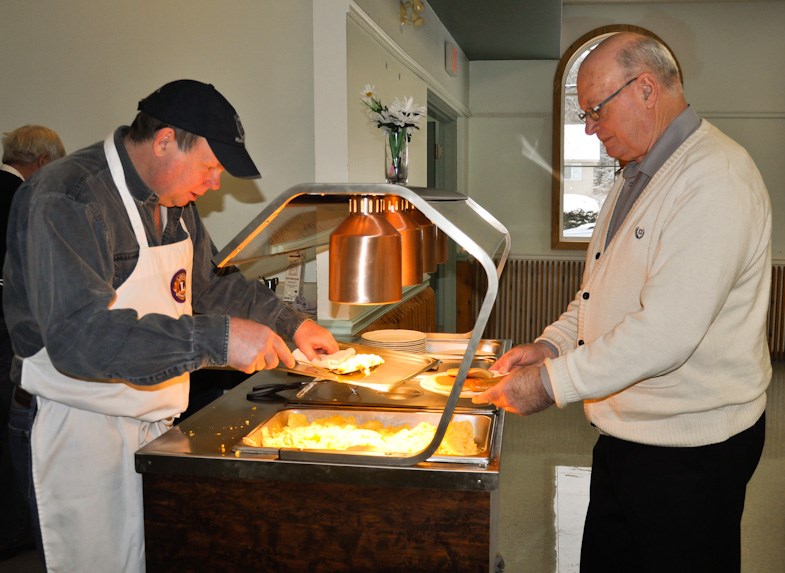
point(396, 157)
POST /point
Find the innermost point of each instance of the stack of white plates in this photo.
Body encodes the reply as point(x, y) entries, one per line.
point(396, 339)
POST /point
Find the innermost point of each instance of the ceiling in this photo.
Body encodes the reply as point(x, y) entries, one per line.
point(512, 29)
point(503, 29)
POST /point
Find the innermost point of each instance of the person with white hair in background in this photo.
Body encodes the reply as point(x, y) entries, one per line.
point(25, 150)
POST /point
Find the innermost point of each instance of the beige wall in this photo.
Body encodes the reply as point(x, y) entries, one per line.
point(370, 63)
point(81, 67)
point(399, 62)
point(424, 45)
point(732, 56)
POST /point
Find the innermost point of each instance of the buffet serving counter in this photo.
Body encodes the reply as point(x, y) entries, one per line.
point(216, 498)
point(211, 505)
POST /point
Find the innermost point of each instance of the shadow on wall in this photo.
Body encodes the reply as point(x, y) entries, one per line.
point(243, 190)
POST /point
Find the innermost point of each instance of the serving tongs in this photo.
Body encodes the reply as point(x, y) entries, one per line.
point(272, 392)
point(396, 369)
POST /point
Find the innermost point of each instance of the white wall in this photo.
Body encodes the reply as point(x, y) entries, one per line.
point(732, 56)
point(423, 45)
point(370, 63)
point(400, 61)
point(510, 148)
point(80, 67)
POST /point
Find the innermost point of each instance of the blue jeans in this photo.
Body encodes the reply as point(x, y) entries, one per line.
point(20, 425)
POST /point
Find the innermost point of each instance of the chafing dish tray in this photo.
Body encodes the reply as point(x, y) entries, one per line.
point(397, 368)
point(481, 425)
point(449, 346)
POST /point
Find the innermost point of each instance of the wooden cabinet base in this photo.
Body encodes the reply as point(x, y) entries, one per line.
point(219, 524)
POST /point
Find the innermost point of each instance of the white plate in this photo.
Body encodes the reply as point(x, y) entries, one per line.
point(395, 336)
point(420, 348)
point(370, 341)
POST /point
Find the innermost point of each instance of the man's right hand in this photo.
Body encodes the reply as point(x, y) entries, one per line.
point(254, 346)
point(520, 392)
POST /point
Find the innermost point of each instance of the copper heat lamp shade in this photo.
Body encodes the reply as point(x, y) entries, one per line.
point(365, 256)
point(441, 247)
point(411, 239)
point(428, 240)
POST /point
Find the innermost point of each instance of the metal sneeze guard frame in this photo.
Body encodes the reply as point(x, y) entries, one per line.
point(479, 234)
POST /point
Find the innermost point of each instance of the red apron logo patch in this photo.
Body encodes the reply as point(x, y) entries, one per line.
point(178, 286)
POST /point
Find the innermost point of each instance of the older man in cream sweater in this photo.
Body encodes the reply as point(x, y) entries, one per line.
point(665, 343)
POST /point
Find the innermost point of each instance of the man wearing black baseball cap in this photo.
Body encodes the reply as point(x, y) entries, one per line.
point(200, 109)
point(111, 300)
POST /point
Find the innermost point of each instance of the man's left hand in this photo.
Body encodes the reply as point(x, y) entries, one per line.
point(311, 338)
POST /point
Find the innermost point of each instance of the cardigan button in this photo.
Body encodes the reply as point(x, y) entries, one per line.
point(597, 256)
point(585, 296)
point(581, 343)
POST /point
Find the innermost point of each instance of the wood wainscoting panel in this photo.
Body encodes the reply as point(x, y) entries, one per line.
point(417, 313)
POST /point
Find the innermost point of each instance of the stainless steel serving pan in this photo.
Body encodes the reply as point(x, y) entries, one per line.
point(446, 346)
point(481, 423)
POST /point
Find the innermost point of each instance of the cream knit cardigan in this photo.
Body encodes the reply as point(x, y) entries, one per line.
point(666, 340)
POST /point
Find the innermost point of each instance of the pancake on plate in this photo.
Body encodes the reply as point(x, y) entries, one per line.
point(477, 379)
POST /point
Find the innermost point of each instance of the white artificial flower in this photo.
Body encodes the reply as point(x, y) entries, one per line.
point(401, 115)
point(369, 91)
point(377, 118)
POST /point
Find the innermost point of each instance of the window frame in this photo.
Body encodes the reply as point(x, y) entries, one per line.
point(558, 240)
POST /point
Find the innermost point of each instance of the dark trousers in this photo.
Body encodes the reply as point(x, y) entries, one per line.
point(22, 416)
point(15, 531)
point(668, 509)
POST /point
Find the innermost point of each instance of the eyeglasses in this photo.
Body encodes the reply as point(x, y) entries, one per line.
point(594, 113)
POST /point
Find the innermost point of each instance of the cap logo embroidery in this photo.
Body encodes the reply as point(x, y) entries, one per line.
point(240, 138)
point(639, 232)
point(178, 286)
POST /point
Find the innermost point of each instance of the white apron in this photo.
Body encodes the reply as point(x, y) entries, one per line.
point(86, 433)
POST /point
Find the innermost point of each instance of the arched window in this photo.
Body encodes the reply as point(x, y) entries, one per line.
point(582, 171)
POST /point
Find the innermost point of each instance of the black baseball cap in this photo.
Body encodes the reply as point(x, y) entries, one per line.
point(200, 109)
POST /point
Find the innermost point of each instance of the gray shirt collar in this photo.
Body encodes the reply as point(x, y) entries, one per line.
point(675, 134)
point(637, 175)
